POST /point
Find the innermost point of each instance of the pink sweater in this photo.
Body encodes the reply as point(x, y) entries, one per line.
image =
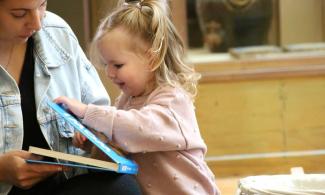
point(161, 133)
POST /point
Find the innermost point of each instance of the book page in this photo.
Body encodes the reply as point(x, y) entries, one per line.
point(73, 158)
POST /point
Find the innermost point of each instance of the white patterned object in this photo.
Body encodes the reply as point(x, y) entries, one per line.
point(302, 184)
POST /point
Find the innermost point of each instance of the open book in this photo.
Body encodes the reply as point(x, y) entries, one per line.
point(120, 164)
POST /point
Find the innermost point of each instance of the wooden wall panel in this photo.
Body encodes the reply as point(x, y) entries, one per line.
point(239, 117)
point(262, 116)
point(266, 121)
point(305, 113)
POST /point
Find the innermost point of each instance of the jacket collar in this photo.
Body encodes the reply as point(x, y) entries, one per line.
point(48, 50)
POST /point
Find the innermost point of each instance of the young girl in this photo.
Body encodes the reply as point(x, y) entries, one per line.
point(154, 118)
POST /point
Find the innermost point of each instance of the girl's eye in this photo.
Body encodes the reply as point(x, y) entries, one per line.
point(118, 66)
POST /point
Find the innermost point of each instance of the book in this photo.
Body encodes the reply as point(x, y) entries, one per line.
point(119, 163)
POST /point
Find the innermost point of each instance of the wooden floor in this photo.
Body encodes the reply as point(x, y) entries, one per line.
point(228, 186)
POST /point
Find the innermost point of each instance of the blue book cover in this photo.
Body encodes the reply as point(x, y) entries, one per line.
point(124, 165)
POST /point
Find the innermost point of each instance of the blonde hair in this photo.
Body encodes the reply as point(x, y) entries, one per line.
point(150, 20)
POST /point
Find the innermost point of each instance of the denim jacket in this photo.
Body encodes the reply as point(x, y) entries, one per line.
point(61, 68)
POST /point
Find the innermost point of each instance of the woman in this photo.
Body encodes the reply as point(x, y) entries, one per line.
point(41, 59)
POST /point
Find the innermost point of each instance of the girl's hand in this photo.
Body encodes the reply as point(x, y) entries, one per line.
point(74, 106)
point(97, 153)
point(82, 142)
point(15, 170)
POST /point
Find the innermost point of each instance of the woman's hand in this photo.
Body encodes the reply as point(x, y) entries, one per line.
point(74, 106)
point(15, 170)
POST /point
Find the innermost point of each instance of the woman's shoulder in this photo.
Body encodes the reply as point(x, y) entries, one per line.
point(56, 43)
point(51, 20)
point(53, 27)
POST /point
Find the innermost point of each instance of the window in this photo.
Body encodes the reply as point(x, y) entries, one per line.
point(255, 26)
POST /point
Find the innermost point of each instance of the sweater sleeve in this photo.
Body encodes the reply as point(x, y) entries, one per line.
point(167, 122)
